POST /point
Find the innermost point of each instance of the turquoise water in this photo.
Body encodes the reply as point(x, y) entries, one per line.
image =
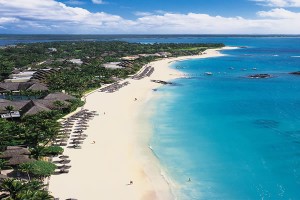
point(236, 138)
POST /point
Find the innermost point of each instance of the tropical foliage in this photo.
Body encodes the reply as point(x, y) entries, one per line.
point(77, 79)
point(34, 130)
point(22, 190)
point(39, 169)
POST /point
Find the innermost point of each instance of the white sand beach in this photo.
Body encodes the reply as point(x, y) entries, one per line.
point(120, 154)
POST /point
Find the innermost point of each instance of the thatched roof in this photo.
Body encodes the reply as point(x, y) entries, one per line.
point(12, 151)
point(36, 109)
point(16, 155)
point(17, 160)
point(4, 101)
point(59, 96)
point(18, 105)
point(33, 86)
point(9, 86)
point(38, 87)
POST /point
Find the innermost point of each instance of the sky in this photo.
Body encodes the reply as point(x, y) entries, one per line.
point(150, 16)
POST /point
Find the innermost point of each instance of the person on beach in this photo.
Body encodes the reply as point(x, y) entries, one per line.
point(135, 99)
point(131, 182)
point(94, 142)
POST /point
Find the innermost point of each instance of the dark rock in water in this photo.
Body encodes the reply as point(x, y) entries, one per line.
point(162, 82)
point(266, 123)
point(295, 73)
point(260, 76)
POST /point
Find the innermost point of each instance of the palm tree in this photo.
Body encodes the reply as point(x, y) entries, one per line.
point(13, 187)
point(59, 105)
point(34, 195)
point(25, 168)
point(37, 151)
point(10, 109)
point(21, 190)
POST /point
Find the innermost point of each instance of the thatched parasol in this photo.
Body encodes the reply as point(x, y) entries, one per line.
point(12, 151)
point(17, 160)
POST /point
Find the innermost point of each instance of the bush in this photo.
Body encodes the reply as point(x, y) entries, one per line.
point(53, 150)
point(39, 168)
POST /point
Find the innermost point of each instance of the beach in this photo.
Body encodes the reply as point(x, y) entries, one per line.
point(116, 150)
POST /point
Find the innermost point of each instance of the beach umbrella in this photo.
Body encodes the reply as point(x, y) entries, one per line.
point(63, 157)
point(77, 135)
point(64, 167)
point(64, 161)
point(76, 142)
point(79, 138)
point(63, 171)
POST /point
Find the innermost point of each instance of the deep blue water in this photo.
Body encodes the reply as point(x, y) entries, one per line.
point(236, 138)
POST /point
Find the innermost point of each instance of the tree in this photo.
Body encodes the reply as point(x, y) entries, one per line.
point(37, 151)
point(22, 190)
point(53, 151)
point(26, 168)
point(10, 109)
point(39, 169)
point(13, 187)
point(59, 105)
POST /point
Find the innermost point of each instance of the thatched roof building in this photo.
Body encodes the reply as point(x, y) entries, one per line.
point(16, 155)
point(27, 86)
point(59, 96)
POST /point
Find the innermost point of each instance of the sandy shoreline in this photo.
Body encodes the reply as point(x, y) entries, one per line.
point(121, 153)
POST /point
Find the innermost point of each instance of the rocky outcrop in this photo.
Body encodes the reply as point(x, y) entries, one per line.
point(295, 73)
point(162, 82)
point(260, 76)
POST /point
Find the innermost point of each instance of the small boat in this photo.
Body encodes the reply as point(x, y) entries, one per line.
point(254, 68)
point(208, 73)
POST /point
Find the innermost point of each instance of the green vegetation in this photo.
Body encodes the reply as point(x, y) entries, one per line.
point(39, 169)
point(76, 79)
point(22, 190)
point(35, 130)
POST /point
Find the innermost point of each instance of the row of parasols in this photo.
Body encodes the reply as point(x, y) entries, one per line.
point(113, 87)
point(146, 72)
point(72, 136)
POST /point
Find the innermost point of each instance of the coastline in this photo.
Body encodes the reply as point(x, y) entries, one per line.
point(121, 152)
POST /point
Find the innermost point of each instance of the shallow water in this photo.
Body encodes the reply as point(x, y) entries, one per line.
point(236, 138)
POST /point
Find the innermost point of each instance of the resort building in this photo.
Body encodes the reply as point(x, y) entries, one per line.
point(20, 76)
point(25, 76)
point(112, 65)
point(16, 155)
point(11, 87)
point(31, 107)
point(130, 58)
point(76, 61)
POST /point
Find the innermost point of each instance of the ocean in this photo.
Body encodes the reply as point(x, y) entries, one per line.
point(235, 138)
